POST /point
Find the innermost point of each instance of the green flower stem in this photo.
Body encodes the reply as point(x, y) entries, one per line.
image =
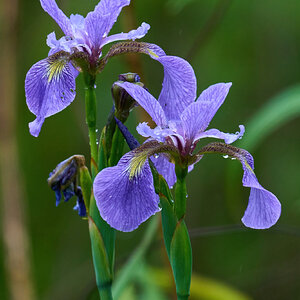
point(180, 191)
point(91, 113)
point(180, 245)
point(102, 236)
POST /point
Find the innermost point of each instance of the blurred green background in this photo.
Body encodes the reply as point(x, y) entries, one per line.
point(252, 43)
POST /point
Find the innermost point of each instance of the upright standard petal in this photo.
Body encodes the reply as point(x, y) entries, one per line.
point(125, 193)
point(111, 8)
point(49, 88)
point(131, 35)
point(58, 16)
point(147, 101)
point(96, 25)
point(179, 86)
point(198, 115)
point(263, 209)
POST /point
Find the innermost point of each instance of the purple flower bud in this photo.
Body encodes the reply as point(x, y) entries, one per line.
point(63, 179)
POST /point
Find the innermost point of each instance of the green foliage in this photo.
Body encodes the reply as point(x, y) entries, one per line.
point(181, 259)
point(101, 263)
point(279, 110)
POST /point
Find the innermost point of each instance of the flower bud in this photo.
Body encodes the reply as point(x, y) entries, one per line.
point(63, 179)
point(124, 103)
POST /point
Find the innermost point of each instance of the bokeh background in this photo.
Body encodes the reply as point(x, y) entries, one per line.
point(45, 251)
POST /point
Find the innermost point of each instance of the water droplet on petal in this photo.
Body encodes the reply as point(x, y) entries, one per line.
point(225, 156)
point(156, 155)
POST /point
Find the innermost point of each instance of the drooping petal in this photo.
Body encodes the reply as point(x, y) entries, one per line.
point(179, 86)
point(58, 16)
point(263, 209)
point(197, 116)
point(80, 205)
point(165, 168)
point(112, 8)
point(49, 88)
point(147, 101)
point(125, 194)
point(215, 133)
point(131, 35)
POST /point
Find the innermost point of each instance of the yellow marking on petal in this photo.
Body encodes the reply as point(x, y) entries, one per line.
point(136, 164)
point(55, 68)
point(152, 53)
point(248, 166)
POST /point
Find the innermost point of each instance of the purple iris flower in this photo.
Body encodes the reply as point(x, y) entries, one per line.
point(50, 83)
point(125, 193)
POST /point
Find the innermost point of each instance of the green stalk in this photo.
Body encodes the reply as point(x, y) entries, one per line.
point(180, 192)
point(102, 241)
point(91, 113)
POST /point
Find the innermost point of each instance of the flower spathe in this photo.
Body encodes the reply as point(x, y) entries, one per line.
point(181, 123)
point(50, 83)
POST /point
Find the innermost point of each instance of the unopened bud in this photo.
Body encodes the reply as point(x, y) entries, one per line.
point(124, 103)
point(63, 180)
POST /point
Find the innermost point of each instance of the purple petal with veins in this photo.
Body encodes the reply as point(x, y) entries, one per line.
point(263, 209)
point(131, 35)
point(124, 202)
point(197, 116)
point(147, 101)
point(228, 138)
point(58, 16)
point(49, 88)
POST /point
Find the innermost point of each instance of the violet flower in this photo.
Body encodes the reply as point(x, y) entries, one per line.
point(50, 83)
point(125, 193)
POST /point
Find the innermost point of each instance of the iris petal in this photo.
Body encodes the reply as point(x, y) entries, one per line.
point(229, 138)
point(49, 88)
point(147, 101)
point(179, 86)
point(131, 35)
point(111, 8)
point(125, 200)
point(263, 209)
point(165, 168)
point(58, 16)
point(197, 116)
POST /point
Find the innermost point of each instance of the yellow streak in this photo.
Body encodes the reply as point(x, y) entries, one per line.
point(55, 68)
point(136, 164)
point(152, 53)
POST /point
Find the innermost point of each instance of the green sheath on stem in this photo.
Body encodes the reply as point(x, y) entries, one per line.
point(101, 234)
point(91, 112)
point(103, 274)
point(176, 236)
